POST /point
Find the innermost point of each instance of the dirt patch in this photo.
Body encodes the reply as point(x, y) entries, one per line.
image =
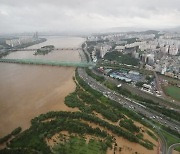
point(126, 146)
point(56, 138)
point(64, 136)
point(103, 118)
point(146, 136)
point(175, 152)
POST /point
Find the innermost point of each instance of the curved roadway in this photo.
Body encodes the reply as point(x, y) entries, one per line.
point(171, 148)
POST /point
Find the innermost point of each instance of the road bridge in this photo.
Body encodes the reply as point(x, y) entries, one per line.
point(27, 49)
point(48, 62)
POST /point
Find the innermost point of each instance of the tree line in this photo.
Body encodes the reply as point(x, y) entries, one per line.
point(15, 132)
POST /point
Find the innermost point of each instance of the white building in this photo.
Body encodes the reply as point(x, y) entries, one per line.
point(104, 49)
point(150, 59)
point(163, 70)
point(120, 48)
point(19, 41)
point(164, 49)
point(133, 72)
point(173, 50)
point(94, 57)
point(13, 42)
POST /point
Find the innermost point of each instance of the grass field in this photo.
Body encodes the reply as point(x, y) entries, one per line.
point(171, 139)
point(173, 92)
point(79, 146)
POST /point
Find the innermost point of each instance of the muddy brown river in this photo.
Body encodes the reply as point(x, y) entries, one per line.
point(29, 90)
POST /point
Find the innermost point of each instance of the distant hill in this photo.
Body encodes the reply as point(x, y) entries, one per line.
point(140, 30)
point(176, 29)
point(129, 30)
point(125, 29)
point(149, 32)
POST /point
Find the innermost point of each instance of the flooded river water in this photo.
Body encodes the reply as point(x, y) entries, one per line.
point(29, 90)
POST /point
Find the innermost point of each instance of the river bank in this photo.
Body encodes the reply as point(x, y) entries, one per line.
point(3, 54)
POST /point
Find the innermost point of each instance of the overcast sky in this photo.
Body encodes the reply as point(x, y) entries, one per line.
point(86, 15)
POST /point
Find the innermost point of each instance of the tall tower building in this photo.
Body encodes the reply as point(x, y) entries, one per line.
point(35, 36)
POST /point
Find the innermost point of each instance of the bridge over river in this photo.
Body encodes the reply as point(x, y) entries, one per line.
point(26, 49)
point(48, 62)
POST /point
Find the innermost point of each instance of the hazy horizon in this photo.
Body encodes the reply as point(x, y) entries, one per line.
point(84, 16)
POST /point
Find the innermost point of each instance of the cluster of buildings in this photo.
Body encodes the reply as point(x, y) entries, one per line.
point(132, 77)
point(161, 54)
point(21, 40)
point(147, 88)
point(125, 75)
point(169, 66)
point(100, 49)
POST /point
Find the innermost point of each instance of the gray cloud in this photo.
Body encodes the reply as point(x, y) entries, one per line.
point(84, 15)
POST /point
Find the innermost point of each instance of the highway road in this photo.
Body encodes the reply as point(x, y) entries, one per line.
point(171, 148)
point(163, 143)
point(137, 91)
point(128, 103)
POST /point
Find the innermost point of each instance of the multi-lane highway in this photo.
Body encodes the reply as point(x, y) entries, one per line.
point(128, 103)
point(137, 91)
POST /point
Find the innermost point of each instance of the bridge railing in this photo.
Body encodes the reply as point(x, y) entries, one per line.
point(48, 62)
point(28, 49)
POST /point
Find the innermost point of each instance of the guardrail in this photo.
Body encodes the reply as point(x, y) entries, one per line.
point(47, 62)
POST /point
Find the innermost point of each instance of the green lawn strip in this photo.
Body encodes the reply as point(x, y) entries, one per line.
point(177, 148)
point(170, 139)
point(173, 92)
point(152, 135)
point(97, 77)
point(78, 145)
